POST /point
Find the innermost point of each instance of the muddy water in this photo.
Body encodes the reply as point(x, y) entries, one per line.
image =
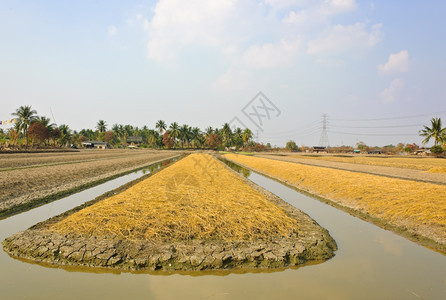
point(371, 263)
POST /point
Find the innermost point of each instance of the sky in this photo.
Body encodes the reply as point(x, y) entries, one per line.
point(376, 69)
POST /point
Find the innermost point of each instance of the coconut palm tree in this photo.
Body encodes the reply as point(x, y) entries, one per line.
point(161, 126)
point(209, 131)
point(246, 136)
point(101, 126)
point(435, 132)
point(196, 136)
point(65, 135)
point(26, 116)
point(226, 134)
point(184, 134)
point(174, 131)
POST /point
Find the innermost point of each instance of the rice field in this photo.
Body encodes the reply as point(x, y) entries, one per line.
point(195, 198)
point(434, 165)
point(417, 206)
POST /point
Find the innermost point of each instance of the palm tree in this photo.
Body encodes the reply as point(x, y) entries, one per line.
point(161, 126)
point(101, 126)
point(226, 134)
point(196, 136)
point(26, 116)
point(174, 131)
point(65, 134)
point(184, 134)
point(117, 130)
point(209, 131)
point(246, 136)
point(435, 132)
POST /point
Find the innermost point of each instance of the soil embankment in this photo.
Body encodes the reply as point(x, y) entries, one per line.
point(196, 214)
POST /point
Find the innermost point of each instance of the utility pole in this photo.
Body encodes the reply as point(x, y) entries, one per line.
point(323, 142)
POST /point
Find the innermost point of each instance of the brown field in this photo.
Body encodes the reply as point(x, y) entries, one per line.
point(386, 166)
point(429, 164)
point(417, 207)
point(44, 175)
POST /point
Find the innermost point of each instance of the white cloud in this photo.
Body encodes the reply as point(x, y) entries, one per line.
point(146, 24)
point(320, 12)
point(179, 23)
point(392, 93)
point(397, 62)
point(112, 30)
point(340, 38)
point(271, 55)
point(138, 17)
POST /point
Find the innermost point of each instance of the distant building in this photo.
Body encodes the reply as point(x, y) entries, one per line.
point(375, 152)
point(96, 145)
point(319, 149)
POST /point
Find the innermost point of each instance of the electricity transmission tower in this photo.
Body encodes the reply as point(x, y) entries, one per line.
point(323, 142)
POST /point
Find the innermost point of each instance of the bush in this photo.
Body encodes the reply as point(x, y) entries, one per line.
point(291, 145)
point(437, 150)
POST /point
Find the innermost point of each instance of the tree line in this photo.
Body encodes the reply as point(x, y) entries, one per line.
point(38, 131)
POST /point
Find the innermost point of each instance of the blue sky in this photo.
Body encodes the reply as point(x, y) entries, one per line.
point(376, 68)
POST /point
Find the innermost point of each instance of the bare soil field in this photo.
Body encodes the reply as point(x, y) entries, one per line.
point(403, 168)
point(27, 179)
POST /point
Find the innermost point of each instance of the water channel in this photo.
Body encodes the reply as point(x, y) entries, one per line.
point(371, 263)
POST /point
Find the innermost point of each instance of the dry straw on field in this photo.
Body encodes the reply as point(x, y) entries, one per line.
point(415, 205)
point(192, 199)
point(433, 165)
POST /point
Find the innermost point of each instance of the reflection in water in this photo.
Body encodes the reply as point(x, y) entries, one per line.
point(371, 263)
point(239, 169)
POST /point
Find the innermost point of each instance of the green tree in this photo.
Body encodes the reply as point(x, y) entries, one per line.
point(174, 131)
point(161, 126)
point(101, 126)
point(65, 135)
point(196, 137)
point(227, 135)
point(246, 136)
point(184, 135)
point(435, 132)
point(291, 145)
point(26, 115)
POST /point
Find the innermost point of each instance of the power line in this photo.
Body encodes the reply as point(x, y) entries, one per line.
point(392, 118)
point(375, 134)
point(391, 126)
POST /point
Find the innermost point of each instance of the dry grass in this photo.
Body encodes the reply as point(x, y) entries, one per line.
point(418, 206)
point(434, 165)
point(195, 198)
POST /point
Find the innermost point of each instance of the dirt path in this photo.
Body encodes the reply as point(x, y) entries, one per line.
point(400, 173)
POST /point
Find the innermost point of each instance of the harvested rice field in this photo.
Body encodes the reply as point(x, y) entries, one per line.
point(415, 209)
point(429, 164)
point(430, 176)
point(195, 214)
point(30, 179)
